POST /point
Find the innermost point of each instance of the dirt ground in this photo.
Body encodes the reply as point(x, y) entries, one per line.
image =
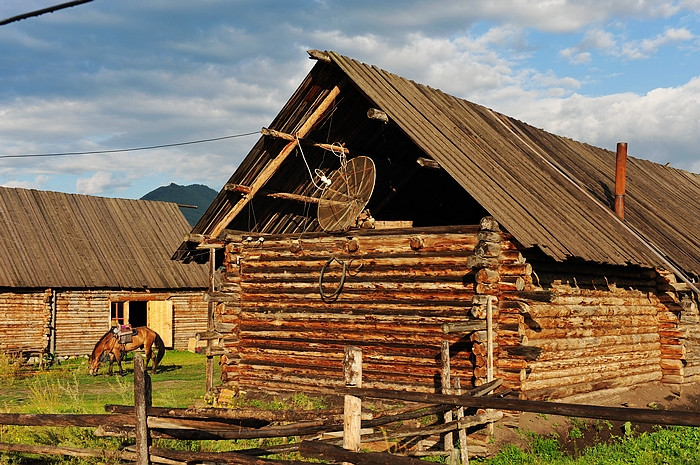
point(513, 429)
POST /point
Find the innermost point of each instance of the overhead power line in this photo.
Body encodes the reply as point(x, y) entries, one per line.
point(133, 149)
point(50, 9)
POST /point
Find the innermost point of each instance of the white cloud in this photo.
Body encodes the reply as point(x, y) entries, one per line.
point(638, 50)
point(662, 125)
point(97, 183)
point(126, 74)
point(35, 183)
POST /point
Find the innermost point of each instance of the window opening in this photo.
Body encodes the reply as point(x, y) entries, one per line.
point(117, 313)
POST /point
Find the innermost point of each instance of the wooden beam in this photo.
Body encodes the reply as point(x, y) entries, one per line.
point(289, 137)
point(319, 55)
point(142, 401)
point(429, 163)
point(271, 168)
point(464, 326)
point(68, 451)
point(245, 190)
point(294, 197)
point(321, 450)
point(65, 419)
point(194, 238)
point(374, 113)
point(659, 417)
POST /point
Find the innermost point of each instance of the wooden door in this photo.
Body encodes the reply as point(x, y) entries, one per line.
point(160, 319)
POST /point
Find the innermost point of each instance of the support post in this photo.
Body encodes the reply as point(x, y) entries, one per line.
point(463, 450)
point(489, 349)
point(352, 422)
point(210, 324)
point(445, 382)
point(142, 401)
point(489, 338)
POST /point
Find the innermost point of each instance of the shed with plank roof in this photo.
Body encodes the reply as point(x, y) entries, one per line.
point(473, 216)
point(72, 264)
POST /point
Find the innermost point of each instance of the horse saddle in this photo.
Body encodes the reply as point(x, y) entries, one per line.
point(124, 333)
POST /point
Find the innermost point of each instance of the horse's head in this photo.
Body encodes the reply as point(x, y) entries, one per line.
point(93, 364)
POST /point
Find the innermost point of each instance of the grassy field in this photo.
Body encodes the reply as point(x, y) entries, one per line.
point(66, 387)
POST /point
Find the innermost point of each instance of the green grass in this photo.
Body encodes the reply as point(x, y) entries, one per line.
point(68, 388)
point(677, 445)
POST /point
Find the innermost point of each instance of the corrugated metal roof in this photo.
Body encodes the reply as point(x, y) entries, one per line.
point(52, 239)
point(548, 191)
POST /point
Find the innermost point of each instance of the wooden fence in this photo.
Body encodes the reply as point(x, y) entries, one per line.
point(333, 435)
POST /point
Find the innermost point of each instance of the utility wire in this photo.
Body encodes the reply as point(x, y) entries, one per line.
point(133, 149)
point(50, 9)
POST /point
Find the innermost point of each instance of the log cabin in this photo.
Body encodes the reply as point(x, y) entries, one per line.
point(72, 264)
point(384, 214)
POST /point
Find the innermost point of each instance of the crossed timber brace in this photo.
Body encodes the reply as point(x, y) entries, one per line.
point(272, 167)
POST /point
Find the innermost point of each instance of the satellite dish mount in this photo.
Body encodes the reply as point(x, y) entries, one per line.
point(346, 195)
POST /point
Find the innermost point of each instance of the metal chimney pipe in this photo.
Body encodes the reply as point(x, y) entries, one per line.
point(620, 175)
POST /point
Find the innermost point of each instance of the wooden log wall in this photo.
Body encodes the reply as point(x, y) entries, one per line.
point(679, 331)
point(560, 329)
point(595, 327)
point(82, 317)
point(499, 270)
point(399, 289)
point(189, 317)
point(24, 322)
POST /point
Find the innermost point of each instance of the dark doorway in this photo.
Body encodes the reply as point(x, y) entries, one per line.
point(138, 313)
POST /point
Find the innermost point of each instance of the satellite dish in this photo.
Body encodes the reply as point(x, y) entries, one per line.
point(349, 190)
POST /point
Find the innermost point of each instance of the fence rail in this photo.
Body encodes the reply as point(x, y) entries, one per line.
point(144, 422)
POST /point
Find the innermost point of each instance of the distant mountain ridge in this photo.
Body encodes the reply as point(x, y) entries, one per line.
point(194, 194)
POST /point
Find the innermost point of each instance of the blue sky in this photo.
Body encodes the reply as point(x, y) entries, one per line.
point(110, 75)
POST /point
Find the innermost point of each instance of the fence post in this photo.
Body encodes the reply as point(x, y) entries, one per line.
point(464, 453)
point(142, 400)
point(446, 389)
point(352, 422)
point(210, 324)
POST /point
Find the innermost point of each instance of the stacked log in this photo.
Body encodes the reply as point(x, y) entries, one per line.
point(601, 330)
point(679, 323)
point(485, 267)
point(24, 322)
point(388, 292)
point(83, 316)
point(189, 317)
point(559, 328)
point(228, 313)
point(500, 271)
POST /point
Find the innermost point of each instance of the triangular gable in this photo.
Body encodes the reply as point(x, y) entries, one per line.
point(550, 192)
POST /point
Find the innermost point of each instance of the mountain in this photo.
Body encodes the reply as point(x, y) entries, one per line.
point(194, 194)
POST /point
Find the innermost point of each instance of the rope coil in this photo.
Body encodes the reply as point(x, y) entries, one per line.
point(328, 298)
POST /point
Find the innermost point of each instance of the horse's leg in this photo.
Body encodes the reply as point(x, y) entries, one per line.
point(151, 355)
point(147, 353)
point(111, 361)
point(155, 360)
point(118, 355)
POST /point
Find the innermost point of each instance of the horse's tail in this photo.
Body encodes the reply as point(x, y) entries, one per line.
point(160, 345)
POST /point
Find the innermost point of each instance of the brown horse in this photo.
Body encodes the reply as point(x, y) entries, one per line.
point(109, 344)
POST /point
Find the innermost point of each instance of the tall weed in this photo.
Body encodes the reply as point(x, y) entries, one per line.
point(10, 367)
point(56, 396)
